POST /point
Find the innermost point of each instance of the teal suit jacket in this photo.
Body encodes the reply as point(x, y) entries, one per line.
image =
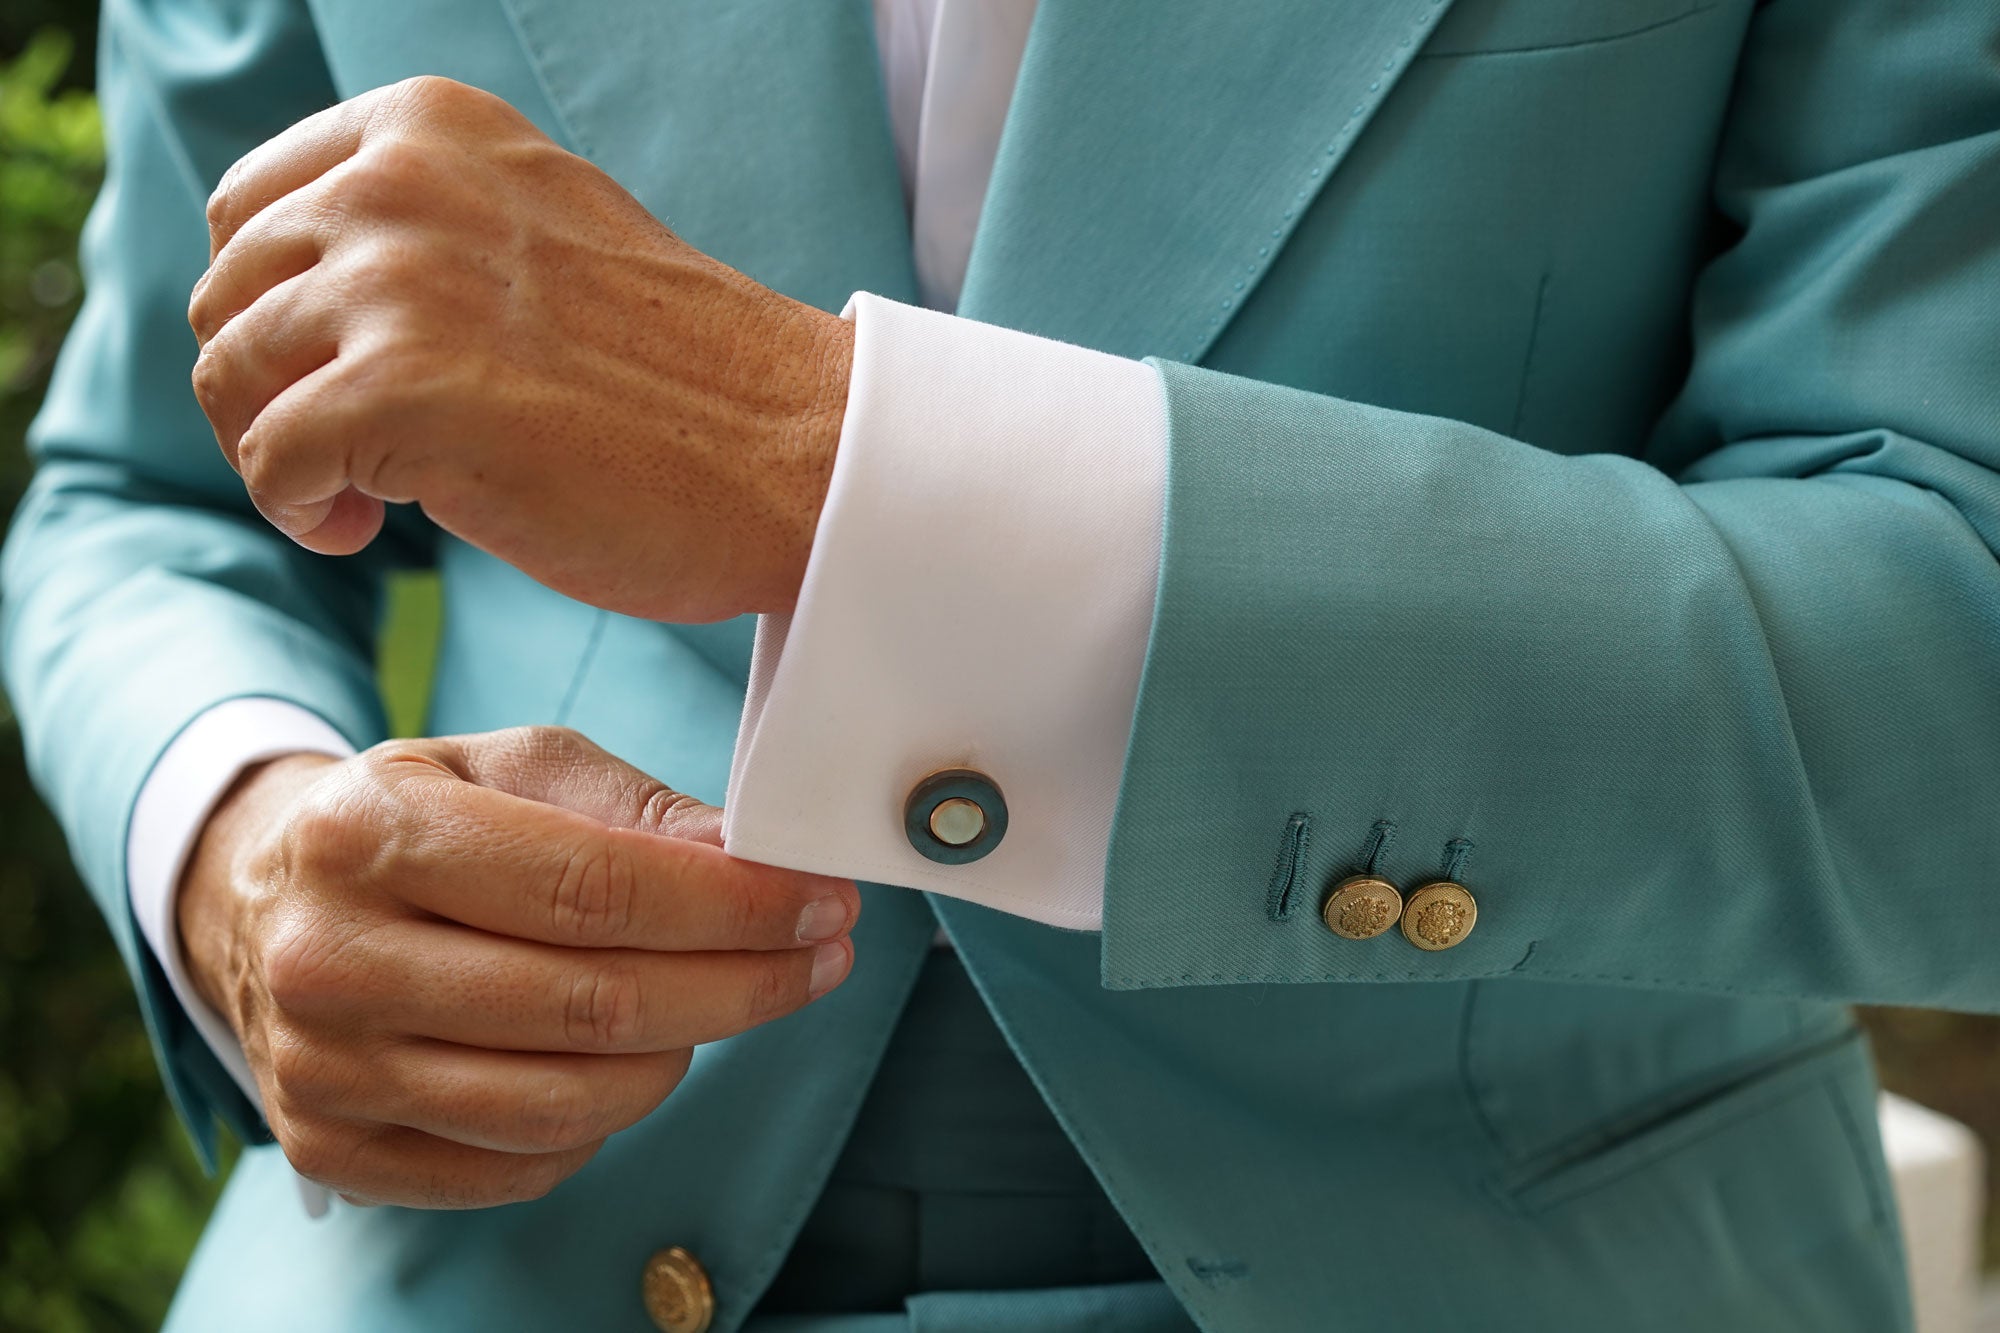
point(1584, 435)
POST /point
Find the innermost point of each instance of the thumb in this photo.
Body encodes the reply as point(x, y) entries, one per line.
point(561, 767)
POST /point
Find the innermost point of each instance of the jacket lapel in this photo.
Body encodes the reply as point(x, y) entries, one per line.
point(755, 128)
point(1156, 159)
point(1159, 152)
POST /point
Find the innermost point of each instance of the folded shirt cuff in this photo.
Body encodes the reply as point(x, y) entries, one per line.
point(979, 597)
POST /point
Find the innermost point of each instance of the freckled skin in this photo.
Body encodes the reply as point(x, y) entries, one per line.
point(457, 964)
point(416, 296)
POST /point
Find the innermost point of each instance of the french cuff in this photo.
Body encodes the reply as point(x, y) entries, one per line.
point(949, 705)
point(184, 787)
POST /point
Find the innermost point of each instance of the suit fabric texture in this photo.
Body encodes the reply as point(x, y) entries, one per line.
point(1582, 468)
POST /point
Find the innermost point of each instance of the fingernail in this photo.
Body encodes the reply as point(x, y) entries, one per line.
point(829, 967)
point(823, 919)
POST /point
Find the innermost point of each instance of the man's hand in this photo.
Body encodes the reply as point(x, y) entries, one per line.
point(457, 965)
point(417, 296)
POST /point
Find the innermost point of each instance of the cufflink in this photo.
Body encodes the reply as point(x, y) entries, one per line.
point(955, 817)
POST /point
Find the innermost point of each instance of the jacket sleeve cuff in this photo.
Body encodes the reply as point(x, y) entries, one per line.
point(979, 596)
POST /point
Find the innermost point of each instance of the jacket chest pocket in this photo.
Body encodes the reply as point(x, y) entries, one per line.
point(1496, 27)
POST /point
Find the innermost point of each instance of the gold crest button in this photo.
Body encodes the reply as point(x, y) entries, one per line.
point(678, 1295)
point(1362, 907)
point(1439, 915)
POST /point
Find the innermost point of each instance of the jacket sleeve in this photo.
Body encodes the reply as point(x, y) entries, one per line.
point(1716, 710)
point(139, 586)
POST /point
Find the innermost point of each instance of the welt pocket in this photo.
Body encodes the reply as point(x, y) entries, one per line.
point(1608, 1154)
point(1510, 27)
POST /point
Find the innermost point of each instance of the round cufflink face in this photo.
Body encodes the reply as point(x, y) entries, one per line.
point(955, 817)
point(1362, 907)
point(1439, 915)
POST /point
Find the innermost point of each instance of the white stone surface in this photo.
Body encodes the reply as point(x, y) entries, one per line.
point(1938, 1170)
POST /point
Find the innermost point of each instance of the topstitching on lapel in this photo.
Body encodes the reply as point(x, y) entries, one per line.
point(1159, 153)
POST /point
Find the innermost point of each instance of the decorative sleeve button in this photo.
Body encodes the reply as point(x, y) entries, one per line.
point(955, 817)
point(1362, 907)
point(1439, 915)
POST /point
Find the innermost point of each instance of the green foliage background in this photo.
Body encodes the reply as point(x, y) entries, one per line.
point(101, 1200)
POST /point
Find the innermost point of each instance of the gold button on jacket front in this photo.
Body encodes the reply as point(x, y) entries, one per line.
point(678, 1295)
point(1362, 907)
point(1439, 915)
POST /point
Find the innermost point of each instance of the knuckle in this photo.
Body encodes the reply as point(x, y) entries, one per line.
point(290, 1071)
point(304, 1076)
point(318, 843)
point(745, 916)
point(429, 90)
point(595, 895)
point(561, 740)
point(221, 199)
point(388, 172)
point(604, 1009)
point(557, 1116)
point(661, 804)
point(305, 966)
point(434, 96)
point(562, 746)
point(377, 274)
point(778, 986)
point(260, 458)
point(381, 275)
point(201, 312)
point(317, 1151)
point(210, 379)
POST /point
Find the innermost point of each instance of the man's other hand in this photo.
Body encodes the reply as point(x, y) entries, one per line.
point(418, 296)
point(457, 965)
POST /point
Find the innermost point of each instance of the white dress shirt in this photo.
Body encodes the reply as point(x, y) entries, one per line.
point(979, 592)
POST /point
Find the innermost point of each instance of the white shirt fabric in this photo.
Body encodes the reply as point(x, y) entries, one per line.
point(979, 593)
point(979, 596)
point(948, 70)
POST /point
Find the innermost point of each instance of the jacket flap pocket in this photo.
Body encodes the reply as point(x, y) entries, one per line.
point(1831, 1072)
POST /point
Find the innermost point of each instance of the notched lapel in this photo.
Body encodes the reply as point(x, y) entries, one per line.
point(755, 128)
point(1159, 153)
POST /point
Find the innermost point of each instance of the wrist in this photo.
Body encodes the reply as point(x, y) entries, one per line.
point(210, 900)
point(809, 440)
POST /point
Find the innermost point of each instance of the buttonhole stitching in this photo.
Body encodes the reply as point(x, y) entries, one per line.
point(1380, 835)
point(1290, 867)
point(1456, 853)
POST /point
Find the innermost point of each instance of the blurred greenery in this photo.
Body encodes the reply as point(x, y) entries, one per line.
point(100, 1198)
